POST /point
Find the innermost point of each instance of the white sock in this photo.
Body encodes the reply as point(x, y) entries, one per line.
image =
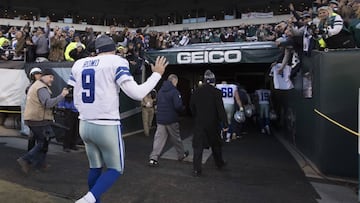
point(88, 198)
point(228, 135)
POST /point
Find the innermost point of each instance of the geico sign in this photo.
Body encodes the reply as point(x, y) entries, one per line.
point(231, 56)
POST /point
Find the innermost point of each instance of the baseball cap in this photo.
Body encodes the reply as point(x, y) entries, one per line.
point(47, 71)
point(306, 15)
point(104, 44)
point(334, 2)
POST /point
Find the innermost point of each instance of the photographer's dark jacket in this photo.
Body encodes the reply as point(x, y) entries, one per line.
point(38, 109)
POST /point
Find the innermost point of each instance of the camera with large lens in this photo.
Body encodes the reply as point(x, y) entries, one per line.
point(313, 30)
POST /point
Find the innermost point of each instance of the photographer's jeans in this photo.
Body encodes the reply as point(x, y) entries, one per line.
point(36, 156)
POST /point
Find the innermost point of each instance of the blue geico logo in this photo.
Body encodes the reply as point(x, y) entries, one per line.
point(91, 63)
point(230, 56)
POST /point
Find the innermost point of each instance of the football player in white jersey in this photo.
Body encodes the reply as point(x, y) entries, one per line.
point(97, 82)
point(281, 77)
point(229, 91)
point(263, 98)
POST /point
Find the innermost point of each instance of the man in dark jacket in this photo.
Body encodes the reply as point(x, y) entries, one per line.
point(209, 114)
point(169, 105)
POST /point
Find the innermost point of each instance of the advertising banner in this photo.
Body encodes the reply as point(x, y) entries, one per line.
point(219, 53)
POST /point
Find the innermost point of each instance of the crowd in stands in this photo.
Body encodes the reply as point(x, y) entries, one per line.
point(329, 24)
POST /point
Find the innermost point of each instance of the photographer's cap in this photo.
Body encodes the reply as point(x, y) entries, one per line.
point(47, 71)
point(104, 44)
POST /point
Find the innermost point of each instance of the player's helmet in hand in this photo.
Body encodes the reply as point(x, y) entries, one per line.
point(239, 116)
point(248, 109)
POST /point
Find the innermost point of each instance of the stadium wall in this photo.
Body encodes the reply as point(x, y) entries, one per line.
point(14, 81)
point(333, 93)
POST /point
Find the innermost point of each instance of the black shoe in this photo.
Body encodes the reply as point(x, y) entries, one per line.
point(24, 134)
point(153, 163)
point(25, 166)
point(222, 166)
point(186, 154)
point(66, 149)
point(196, 173)
point(75, 148)
point(267, 130)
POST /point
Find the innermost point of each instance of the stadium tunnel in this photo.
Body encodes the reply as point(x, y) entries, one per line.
point(246, 64)
point(250, 76)
point(331, 148)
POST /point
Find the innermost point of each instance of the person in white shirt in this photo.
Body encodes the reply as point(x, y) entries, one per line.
point(97, 81)
point(281, 77)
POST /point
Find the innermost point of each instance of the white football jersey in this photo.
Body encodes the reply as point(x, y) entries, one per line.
point(281, 81)
point(96, 82)
point(263, 96)
point(228, 92)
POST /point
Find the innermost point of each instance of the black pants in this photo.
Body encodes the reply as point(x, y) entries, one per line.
point(198, 152)
point(71, 135)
